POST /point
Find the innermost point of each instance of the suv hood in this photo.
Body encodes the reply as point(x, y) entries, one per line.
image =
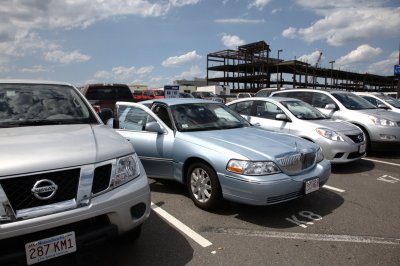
point(41, 148)
point(250, 143)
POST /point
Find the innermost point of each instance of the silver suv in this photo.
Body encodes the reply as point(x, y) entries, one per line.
point(66, 179)
point(380, 127)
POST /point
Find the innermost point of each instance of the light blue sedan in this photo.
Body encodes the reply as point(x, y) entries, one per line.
point(217, 154)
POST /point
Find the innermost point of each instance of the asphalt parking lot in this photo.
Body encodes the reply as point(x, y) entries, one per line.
point(353, 220)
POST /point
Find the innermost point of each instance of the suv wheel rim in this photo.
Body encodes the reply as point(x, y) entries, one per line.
point(200, 185)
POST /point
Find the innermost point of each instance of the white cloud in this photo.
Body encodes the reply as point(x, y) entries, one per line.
point(260, 4)
point(194, 71)
point(364, 53)
point(181, 59)
point(312, 58)
point(290, 33)
point(124, 73)
point(239, 21)
point(66, 57)
point(345, 21)
point(35, 69)
point(232, 41)
point(386, 66)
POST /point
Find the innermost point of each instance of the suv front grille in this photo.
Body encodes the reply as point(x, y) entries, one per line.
point(357, 138)
point(19, 189)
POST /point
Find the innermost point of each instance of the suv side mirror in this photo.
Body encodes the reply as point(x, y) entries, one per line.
point(330, 106)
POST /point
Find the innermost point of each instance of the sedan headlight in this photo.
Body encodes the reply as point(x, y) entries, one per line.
point(252, 168)
point(329, 134)
point(127, 168)
point(319, 156)
point(382, 121)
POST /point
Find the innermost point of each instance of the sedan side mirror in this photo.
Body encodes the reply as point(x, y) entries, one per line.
point(382, 106)
point(282, 117)
point(330, 106)
point(154, 127)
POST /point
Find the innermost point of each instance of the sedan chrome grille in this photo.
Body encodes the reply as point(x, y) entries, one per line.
point(357, 138)
point(295, 163)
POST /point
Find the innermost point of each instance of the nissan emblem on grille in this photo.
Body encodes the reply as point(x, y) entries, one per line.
point(44, 189)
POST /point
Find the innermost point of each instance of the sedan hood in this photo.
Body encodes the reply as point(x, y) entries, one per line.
point(382, 114)
point(41, 148)
point(250, 142)
point(338, 126)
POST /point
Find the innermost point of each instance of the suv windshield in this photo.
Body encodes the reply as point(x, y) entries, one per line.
point(303, 110)
point(353, 102)
point(390, 100)
point(33, 104)
point(206, 116)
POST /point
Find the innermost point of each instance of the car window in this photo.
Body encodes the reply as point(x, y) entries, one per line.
point(133, 118)
point(303, 110)
point(206, 116)
point(370, 99)
point(320, 100)
point(101, 93)
point(162, 112)
point(123, 93)
point(391, 100)
point(243, 108)
point(267, 110)
point(29, 104)
point(353, 102)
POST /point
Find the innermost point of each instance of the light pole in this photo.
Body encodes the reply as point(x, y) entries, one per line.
point(277, 70)
point(331, 62)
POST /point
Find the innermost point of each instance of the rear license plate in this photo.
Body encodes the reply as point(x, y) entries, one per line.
point(49, 248)
point(311, 185)
point(362, 148)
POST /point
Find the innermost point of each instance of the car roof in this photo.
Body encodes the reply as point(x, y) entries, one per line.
point(33, 81)
point(175, 101)
point(272, 99)
point(306, 89)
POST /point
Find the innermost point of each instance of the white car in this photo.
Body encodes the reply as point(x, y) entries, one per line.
point(341, 141)
point(381, 101)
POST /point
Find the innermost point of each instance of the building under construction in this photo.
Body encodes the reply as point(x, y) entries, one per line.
point(250, 68)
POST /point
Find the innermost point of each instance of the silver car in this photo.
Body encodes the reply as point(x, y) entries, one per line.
point(66, 179)
point(217, 154)
point(381, 127)
point(340, 141)
point(381, 101)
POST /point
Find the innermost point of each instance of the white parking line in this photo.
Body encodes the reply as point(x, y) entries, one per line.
point(334, 189)
point(372, 160)
point(304, 236)
point(180, 226)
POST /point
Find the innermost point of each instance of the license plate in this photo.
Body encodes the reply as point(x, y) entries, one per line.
point(362, 148)
point(311, 185)
point(49, 248)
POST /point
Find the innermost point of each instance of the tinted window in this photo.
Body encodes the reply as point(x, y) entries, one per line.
point(352, 101)
point(100, 93)
point(267, 110)
point(320, 100)
point(243, 108)
point(133, 118)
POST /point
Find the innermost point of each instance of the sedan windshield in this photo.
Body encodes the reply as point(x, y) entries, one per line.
point(390, 100)
point(353, 102)
point(206, 116)
point(303, 110)
point(33, 104)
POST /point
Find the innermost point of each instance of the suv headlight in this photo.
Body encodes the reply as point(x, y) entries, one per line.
point(127, 168)
point(382, 121)
point(329, 134)
point(252, 168)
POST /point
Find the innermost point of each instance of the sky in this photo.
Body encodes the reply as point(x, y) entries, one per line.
point(154, 42)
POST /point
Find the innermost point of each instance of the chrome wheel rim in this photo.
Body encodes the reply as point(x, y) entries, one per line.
point(200, 184)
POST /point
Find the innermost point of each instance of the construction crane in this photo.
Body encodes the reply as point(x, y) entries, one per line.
point(312, 79)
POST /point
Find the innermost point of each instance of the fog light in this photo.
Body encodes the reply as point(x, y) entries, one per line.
point(138, 210)
point(387, 137)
